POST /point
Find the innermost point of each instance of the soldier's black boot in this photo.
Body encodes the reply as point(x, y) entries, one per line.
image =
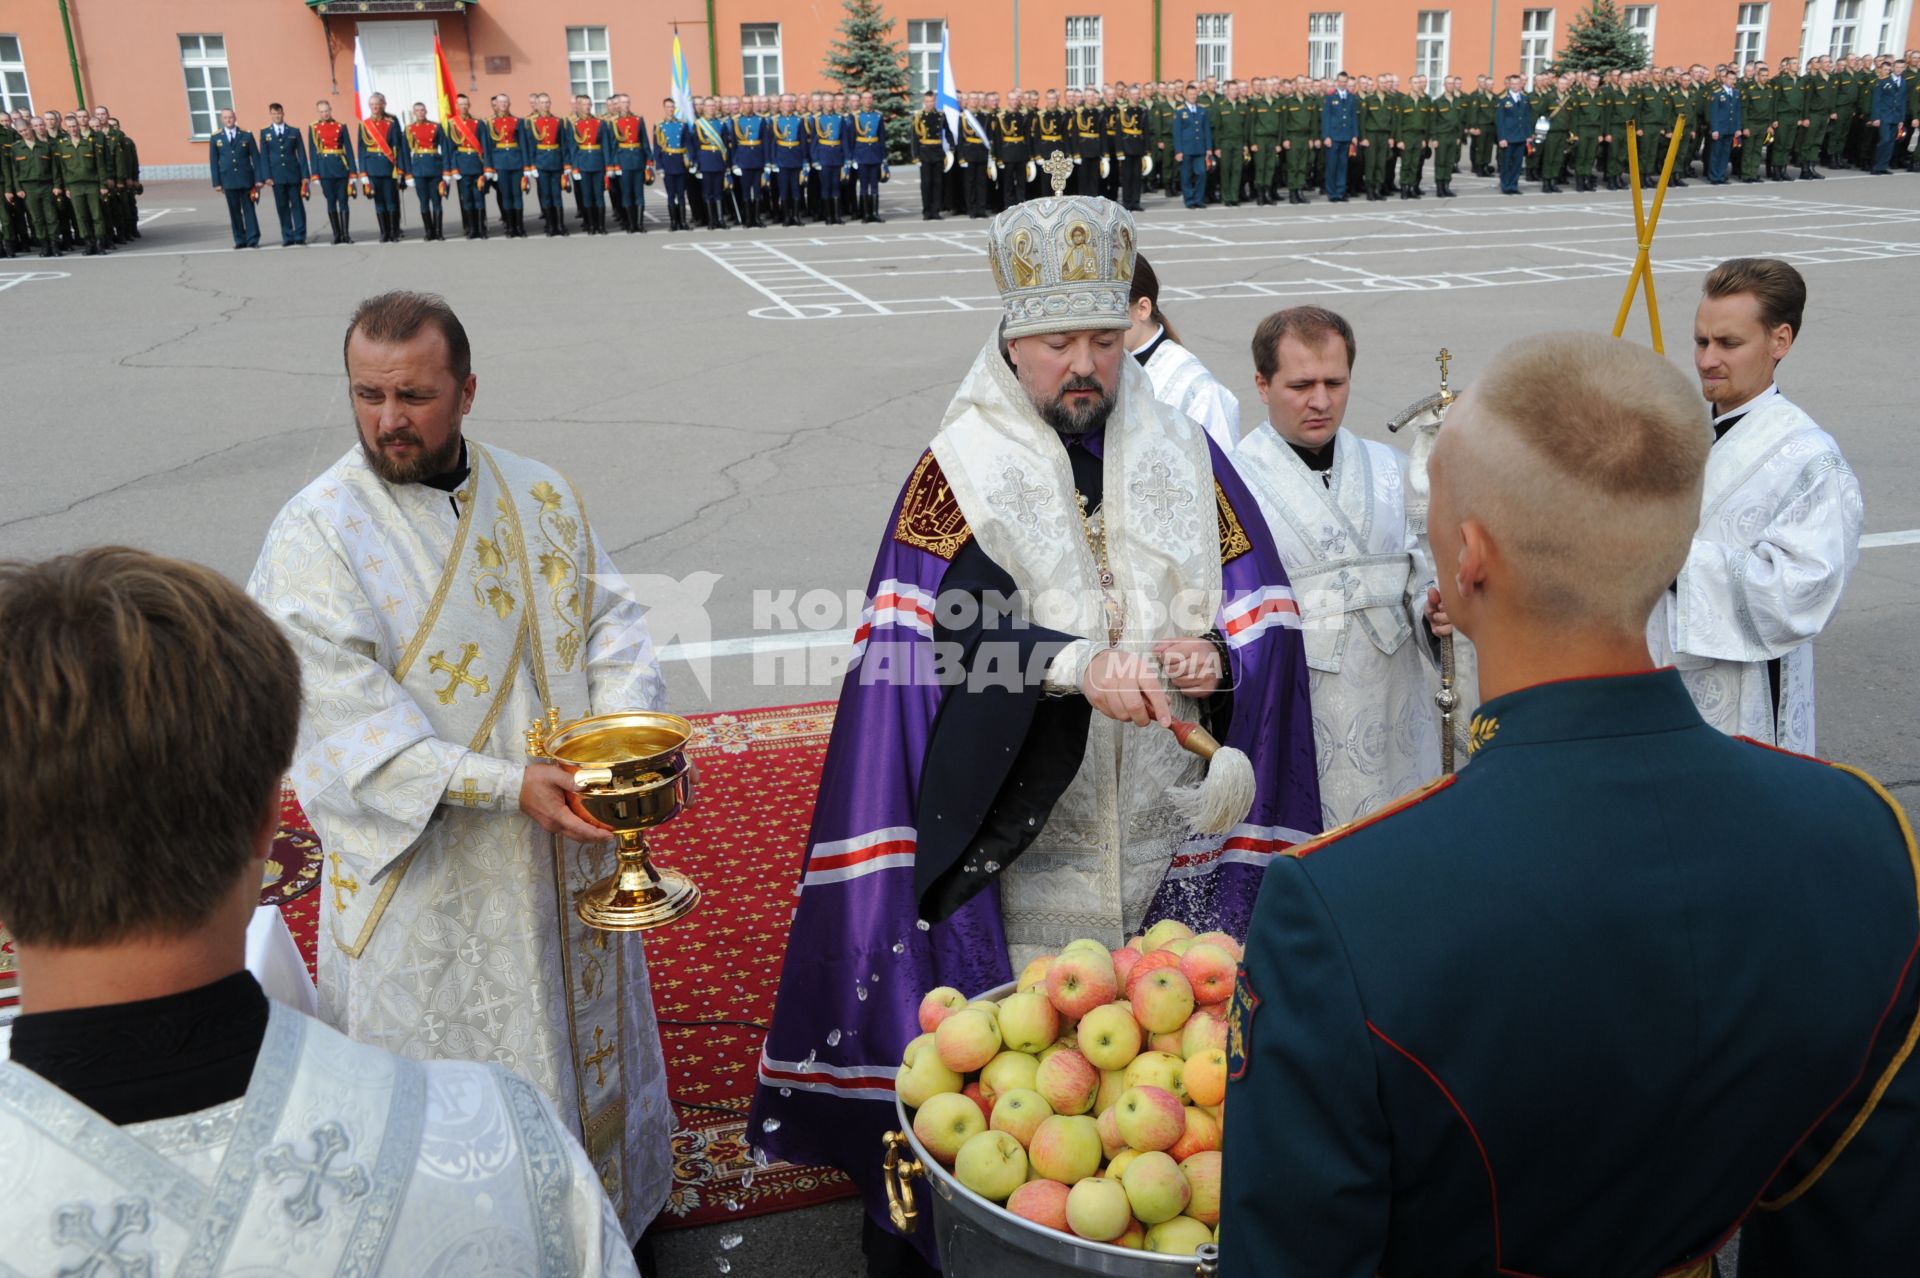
point(560, 220)
point(47, 249)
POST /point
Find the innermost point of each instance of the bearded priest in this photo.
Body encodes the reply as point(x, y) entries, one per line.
point(1071, 569)
point(441, 594)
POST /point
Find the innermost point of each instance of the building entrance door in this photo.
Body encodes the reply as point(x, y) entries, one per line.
point(400, 58)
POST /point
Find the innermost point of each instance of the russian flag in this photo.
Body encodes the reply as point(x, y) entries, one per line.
point(362, 80)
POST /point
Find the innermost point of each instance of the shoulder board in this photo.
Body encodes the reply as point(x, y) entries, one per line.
point(1394, 808)
point(1234, 541)
point(930, 516)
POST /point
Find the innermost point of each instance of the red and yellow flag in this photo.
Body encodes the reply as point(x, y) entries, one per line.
point(443, 83)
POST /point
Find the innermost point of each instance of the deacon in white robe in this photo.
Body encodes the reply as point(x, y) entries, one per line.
point(340, 1158)
point(1336, 505)
point(1780, 520)
point(433, 625)
point(1178, 376)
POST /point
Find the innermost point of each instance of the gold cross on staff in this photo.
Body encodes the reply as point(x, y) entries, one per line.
point(1444, 358)
point(337, 883)
point(597, 1059)
point(470, 795)
point(438, 661)
point(1059, 167)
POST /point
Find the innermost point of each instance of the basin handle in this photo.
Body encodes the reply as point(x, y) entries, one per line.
point(1209, 1257)
point(897, 1172)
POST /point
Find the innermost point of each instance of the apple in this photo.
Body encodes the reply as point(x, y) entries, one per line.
point(945, 1122)
point(1109, 1037)
point(1044, 1202)
point(923, 1074)
point(1204, 1030)
point(1157, 1069)
point(1028, 1022)
point(1084, 943)
point(1162, 1001)
point(1205, 1077)
point(972, 1092)
point(1034, 974)
point(1066, 1148)
point(1210, 971)
point(1108, 1125)
point(1171, 1042)
point(1150, 1118)
point(1181, 1236)
point(1098, 1210)
point(1155, 1188)
point(1165, 930)
point(1067, 1081)
point(1202, 1133)
point(967, 1040)
point(1178, 945)
point(1118, 1164)
point(1019, 1113)
point(1149, 963)
point(987, 1007)
point(938, 1005)
point(1135, 1237)
point(1081, 980)
point(992, 1164)
point(1112, 1083)
point(1202, 1171)
point(1224, 940)
point(1005, 1072)
point(1123, 960)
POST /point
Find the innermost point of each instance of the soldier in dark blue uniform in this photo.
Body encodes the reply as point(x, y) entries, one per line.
point(1723, 125)
point(1579, 1008)
point(789, 159)
point(633, 165)
point(932, 141)
point(430, 161)
point(330, 152)
point(869, 155)
point(1339, 126)
point(467, 144)
point(712, 155)
point(283, 163)
point(750, 131)
point(508, 140)
point(383, 165)
point(1512, 126)
point(233, 159)
point(1192, 144)
point(829, 157)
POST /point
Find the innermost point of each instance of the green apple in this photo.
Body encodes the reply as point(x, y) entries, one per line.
point(1028, 1022)
point(1097, 1209)
point(1165, 930)
point(945, 1122)
point(1150, 1118)
point(1162, 1001)
point(967, 1040)
point(1005, 1072)
point(923, 1075)
point(1109, 1037)
point(1156, 1069)
point(1202, 1171)
point(1155, 1188)
point(1066, 1148)
point(992, 1164)
point(1180, 1236)
point(1112, 1083)
point(1019, 1113)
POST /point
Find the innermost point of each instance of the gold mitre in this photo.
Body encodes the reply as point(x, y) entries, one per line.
point(1062, 264)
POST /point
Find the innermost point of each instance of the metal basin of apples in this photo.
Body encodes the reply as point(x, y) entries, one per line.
point(980, 1239)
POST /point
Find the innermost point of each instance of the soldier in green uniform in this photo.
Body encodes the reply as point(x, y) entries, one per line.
point(1376, 137)
point(1476, 123)
point(1553, 103)
point(1817, 85)
point(82, 167)
point(1846, 101)
point(1450, 111)
point(9, 195)
point(1618, 112)
point(1412, 133)
point(1759, 116)
point(35, 174)
point(1790, 140)
point(1160, 108)
point(1585, 114)
point(1299, 137)
point(1266, 129)
point(1232, 122)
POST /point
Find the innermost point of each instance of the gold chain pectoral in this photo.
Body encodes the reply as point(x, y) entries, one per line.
point(1115, 607)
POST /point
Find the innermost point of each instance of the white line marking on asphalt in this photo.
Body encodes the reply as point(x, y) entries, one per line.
point(1907, 537)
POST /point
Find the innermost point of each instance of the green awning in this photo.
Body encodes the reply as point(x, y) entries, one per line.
point(375, 8)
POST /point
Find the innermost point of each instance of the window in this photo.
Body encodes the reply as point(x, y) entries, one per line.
point(1750, 35)
point(1083, 53)
point(13, 77)
point(1213, 46)
point(1640, 21)
point(588, 66)
point(1430, 48)
point(1890, 25)
point(1324, 45)
point(1536, 41)
point(209, 91)
point(1846, 29)
point(923, 54)
point(760, 59)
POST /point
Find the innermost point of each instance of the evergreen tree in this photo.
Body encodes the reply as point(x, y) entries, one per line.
point(866, 59)
point(1600, 41)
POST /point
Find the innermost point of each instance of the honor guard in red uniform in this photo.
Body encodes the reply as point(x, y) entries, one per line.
point(632, 165)
point(547, 134)
point(330, 153)
point(430, 160)
point(467, 143)
point(383, 165)
point(507, 139)
point(588, 144)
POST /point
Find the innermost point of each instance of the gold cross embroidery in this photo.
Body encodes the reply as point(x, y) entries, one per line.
point(389, 605)
point(374, 563)
point(597, 1059)
point(438, 661)
point(337, 883)
point(353, 524)
point(470, 795)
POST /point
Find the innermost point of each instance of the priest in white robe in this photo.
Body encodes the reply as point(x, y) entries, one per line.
point(1780, 521)
point(160, 1114)
point(1336, 505)
point(1178, 376)
point(441, 595)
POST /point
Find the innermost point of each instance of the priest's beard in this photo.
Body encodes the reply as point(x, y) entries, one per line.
point(1071, 420)
point(424, 465)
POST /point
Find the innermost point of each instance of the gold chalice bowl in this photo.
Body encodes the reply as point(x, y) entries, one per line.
point(631, 772)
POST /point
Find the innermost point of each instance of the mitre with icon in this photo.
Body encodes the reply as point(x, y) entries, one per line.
point(1063, 264)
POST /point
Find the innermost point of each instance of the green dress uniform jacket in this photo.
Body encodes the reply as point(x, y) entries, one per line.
point(1265, 129)
point(83, 166)
point(1790, 101)
point(1822, 104)
point(1523, 1022)
point(1450, 113)
point(1758, 112)
point(1376, 136)
point(1553, 148)
point(1478, 113)
point(1586, 116)
point(1300, 131)
point(1413, 130)
point(1232, 120)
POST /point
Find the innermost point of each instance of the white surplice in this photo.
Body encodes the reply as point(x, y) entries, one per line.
point(1180, 379)
point(428, 642)
point(1780, 521)
point(1351, 559)
point(340, 1159)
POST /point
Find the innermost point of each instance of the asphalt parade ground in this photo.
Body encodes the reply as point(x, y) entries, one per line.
point(739, 409)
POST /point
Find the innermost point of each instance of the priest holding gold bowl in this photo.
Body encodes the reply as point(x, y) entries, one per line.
point(442, 595)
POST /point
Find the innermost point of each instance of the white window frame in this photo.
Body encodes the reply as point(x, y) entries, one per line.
point(1536, 41)
point(1213, 46)
point(1642, 18)
point(923, 55)
point(1750, 34)
point(211, 90)
point(14, 70)
point(1431, 49)
point(760, 62)
point(590, 63)
point(1326, 44)
point(1893, 21)
point(1843, 38)
point(1086, 54)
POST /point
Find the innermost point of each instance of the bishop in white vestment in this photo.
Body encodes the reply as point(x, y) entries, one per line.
point(1336, 506)
point(432, 628)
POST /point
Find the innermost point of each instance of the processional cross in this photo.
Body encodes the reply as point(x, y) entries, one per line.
point(1058, 167)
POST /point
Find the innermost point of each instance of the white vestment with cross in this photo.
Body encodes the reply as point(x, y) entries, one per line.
point(340, 1158)
point(428, 642)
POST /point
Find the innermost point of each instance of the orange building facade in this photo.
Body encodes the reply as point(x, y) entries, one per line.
point(166, 67)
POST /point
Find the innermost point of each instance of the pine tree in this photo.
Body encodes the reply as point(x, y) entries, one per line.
point(866, 59)
point(1600, 41)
